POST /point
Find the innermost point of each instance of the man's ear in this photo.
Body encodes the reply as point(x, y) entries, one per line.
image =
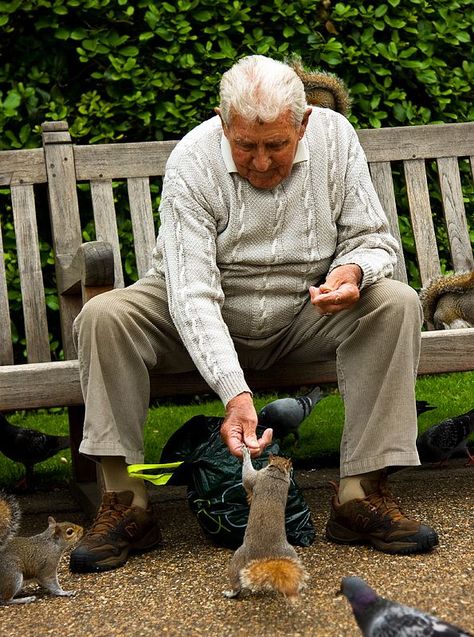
point(225, 129)
point(304, 122)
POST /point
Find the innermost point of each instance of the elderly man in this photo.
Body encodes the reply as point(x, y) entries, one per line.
point(273, 247)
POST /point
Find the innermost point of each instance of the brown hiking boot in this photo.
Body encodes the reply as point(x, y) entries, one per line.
point(118, 529)
point(378, 520)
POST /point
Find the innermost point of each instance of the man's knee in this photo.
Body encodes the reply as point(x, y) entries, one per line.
point(100, 313)
point(397, 298)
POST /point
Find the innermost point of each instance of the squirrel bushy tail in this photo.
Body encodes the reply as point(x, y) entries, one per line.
point(321, 87)
point(10, 516)
point(285, 575)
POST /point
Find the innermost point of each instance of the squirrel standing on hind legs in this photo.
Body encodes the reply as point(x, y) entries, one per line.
point(35, 558)
point(266, 560)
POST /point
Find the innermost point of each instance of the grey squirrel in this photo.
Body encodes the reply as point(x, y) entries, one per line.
point(266, 560)
point(448, 301)
point(323, 89)
point(35, 558)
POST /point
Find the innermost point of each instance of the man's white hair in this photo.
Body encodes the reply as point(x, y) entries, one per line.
point(259, 88)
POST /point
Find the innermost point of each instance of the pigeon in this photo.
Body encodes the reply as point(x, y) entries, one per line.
point(285, 415)
point(422, 406)
point(446, 438)
point(28, 446)
point(380, 617)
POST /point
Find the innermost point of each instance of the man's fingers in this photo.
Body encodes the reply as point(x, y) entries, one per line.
point(266, 439)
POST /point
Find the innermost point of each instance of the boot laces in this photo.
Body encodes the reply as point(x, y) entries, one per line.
point(107, 518)
point(384, 501)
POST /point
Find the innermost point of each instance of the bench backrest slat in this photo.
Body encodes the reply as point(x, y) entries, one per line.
point(6, 345)
point(142, 221)
point(106, 222)
point(455, 214)
point(381, 173)
point(421, 218)
point(31, 278)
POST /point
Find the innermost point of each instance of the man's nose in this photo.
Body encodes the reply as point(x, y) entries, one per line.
point(261, 160)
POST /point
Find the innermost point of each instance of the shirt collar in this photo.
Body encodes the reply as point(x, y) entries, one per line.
point(302, 154)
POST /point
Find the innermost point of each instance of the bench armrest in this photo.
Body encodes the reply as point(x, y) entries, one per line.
point(90, 272)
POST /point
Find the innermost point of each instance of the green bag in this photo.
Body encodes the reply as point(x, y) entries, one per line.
point(214, 480)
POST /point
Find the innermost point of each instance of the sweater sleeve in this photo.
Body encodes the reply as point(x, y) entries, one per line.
point(363, 232)
point(188, 235)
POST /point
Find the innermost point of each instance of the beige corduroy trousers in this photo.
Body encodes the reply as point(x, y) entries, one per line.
point(122, 334)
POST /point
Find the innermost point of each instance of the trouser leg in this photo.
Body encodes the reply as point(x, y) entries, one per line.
point(377, 344)
point(120, 335)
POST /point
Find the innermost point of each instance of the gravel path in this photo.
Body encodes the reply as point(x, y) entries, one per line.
point(177, 590)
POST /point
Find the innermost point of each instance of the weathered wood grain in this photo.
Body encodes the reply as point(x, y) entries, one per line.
point(122, 161)
point(64, 215)
point(106, 222)
point(31, 277)
point(455, 214)
point(382, 179)
point(141, 212)
point(399, 143)
point(6, 347)
point(421, 219)
point(22, 167)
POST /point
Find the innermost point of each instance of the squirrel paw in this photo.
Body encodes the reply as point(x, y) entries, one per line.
point(22, 600)
point(62, 593)
point(231, 594)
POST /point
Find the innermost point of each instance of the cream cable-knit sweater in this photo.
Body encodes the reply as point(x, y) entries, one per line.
point(239, 260)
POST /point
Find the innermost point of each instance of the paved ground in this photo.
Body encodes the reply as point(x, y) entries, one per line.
point(177, 590)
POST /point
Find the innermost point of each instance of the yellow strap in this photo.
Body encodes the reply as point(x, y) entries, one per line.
point(135, 471)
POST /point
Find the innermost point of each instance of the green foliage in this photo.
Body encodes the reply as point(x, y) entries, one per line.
point(123, 69)
point(134, 70)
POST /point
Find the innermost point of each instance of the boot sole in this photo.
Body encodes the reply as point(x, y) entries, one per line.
point(86, 562)
point(423, 541)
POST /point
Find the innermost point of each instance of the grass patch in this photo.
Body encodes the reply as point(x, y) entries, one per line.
point(452, 394)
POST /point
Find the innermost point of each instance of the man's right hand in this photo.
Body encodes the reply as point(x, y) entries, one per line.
point(240, 425)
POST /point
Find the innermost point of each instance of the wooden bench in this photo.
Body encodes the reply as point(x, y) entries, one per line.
point(409, 161)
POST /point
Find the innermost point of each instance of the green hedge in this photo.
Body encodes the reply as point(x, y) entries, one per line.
point(118, 69)
point(139, 70)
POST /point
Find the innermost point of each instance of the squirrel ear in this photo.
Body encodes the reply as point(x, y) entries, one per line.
point(51, 521)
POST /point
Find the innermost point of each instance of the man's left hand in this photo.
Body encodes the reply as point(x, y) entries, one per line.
point(339, 291)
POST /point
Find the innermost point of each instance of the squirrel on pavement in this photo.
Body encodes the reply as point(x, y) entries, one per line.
point(266, 560)
point(35, 558)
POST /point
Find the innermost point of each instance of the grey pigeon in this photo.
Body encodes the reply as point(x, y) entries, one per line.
point(285, 415)
point(380, 617)
point(446, 438)
point(29, 447)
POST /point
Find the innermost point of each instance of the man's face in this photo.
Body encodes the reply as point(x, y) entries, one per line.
point(264, 151)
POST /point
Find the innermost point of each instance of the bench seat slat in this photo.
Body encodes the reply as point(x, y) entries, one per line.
point(142, 221)
point(6, 347)
point(29, 386)
point(422, 220)
point(106, 222)
point(381, 174)
point(31, 278)
point(455, 214)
